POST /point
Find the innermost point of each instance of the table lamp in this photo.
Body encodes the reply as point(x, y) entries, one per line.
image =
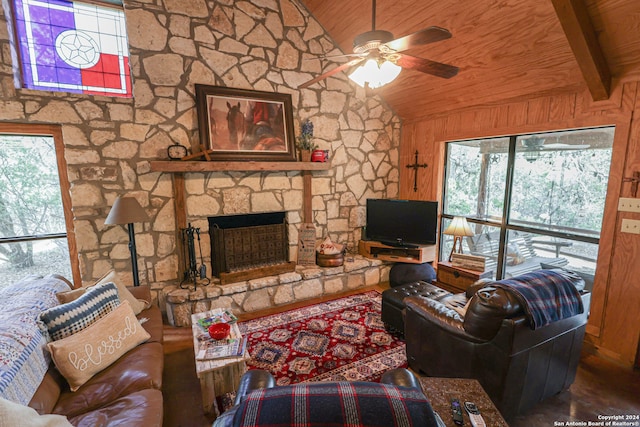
point(127, 210)
point(458, 228)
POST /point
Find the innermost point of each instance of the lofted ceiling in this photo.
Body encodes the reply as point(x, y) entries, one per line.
point(505, 49)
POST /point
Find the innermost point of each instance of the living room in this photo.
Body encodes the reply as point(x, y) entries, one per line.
point(108, 143)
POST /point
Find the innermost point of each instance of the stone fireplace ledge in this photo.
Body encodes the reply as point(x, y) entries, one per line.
point(304, 283)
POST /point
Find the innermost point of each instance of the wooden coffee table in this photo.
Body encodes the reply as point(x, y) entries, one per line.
point(217, 376)
point(440, 391)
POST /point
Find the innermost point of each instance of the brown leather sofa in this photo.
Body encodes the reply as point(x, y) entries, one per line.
point(126, 393)
point(493, 342)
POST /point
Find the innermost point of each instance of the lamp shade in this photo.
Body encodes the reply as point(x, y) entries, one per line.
point(126, 210)
point(459, 227)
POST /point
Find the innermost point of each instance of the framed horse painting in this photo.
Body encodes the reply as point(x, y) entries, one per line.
point(238, 124)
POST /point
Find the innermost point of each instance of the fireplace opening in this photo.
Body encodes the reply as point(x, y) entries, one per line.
point(249, 246)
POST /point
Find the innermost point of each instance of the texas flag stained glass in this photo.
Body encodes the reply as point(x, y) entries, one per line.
point(73, 47)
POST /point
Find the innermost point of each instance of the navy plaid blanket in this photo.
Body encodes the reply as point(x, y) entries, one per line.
point(326, 404)
point(546, 295)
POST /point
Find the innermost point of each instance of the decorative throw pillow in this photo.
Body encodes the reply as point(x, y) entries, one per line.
point(14, 414)
point(123, 293)
point(72, 295)
point(136, 304)
point(82, 355)
point(66, 319)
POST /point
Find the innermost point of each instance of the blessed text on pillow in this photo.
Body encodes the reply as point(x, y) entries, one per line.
point(82, 355)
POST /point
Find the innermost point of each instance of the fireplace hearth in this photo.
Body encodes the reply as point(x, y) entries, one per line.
point(249, 246)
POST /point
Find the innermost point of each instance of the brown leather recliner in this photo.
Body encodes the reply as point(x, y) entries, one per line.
point(494, 343)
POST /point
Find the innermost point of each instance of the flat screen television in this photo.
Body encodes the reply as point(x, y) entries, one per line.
point(397, 222)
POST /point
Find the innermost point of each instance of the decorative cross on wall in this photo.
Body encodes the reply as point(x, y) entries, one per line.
point(635, 180)
point(415, 167)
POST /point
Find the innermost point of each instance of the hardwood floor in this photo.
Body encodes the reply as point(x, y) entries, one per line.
point(600, 388)
point(181, 388)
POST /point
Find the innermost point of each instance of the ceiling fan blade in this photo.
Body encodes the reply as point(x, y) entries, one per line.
point(426, 36)
point(438, 69)
point(346, 55)
point(331, 73)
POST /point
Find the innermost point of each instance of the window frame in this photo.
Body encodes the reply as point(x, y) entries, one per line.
point(504, 224)
point(55, 132)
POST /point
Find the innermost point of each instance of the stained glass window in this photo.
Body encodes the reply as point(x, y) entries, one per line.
point(71, 46)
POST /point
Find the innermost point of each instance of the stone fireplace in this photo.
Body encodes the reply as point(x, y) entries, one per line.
point(249, 246)
point(246, 296)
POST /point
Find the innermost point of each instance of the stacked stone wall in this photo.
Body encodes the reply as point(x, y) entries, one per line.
point(272, 291)
point(267, 45)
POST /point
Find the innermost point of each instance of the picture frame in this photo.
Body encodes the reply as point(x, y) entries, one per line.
point(245, 125)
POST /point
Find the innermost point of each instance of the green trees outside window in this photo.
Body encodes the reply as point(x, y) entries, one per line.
point(33, 235)
point(547, 189)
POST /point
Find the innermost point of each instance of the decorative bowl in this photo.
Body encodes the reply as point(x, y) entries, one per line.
point(219, 331)
point(333, 260)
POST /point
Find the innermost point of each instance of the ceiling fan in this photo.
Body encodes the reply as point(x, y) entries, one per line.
point(380, 53)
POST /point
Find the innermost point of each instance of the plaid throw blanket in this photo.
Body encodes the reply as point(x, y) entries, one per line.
point(546, 295)
point(353, 404)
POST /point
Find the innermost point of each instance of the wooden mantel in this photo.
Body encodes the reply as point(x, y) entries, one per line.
point(202, 166)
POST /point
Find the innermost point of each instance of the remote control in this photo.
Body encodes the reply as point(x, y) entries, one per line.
point(474, 414)
point(456, 412)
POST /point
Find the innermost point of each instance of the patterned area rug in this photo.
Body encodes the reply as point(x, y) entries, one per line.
point(339, 340)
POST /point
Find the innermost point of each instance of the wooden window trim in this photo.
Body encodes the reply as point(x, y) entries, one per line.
point(55, 131)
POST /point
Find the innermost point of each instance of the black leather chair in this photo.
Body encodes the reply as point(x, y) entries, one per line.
point(396, 400)
point(494, 343)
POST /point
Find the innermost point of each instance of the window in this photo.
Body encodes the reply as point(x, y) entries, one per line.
point(72, 46)
point(35, 219)
point(533, 201)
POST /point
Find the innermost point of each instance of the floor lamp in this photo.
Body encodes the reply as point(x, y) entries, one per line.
point(127, 210)
point(458, 228)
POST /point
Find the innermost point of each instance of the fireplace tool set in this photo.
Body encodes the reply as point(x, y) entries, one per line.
point(191, 270)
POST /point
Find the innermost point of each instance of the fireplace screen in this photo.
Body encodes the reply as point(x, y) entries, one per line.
point(247, 242)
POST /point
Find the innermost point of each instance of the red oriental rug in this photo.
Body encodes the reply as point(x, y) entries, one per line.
point(339, 340)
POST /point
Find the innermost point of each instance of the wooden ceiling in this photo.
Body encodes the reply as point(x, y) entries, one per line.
point(505, 49)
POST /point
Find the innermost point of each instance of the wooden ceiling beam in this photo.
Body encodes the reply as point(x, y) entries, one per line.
point(582, 38)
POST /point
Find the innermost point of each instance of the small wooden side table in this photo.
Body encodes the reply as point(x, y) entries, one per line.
point(456, 279)
point(440, 391)
point(217, 376)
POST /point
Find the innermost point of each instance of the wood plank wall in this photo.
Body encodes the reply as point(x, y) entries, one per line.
point(613, 330)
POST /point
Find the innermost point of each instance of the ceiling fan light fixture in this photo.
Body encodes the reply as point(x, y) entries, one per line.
point(375, 74)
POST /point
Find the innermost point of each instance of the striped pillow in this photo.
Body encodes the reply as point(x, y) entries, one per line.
point(66, 319)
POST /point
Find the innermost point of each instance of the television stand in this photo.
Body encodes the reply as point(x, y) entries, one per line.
point(377, 250)
point(399, 244)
